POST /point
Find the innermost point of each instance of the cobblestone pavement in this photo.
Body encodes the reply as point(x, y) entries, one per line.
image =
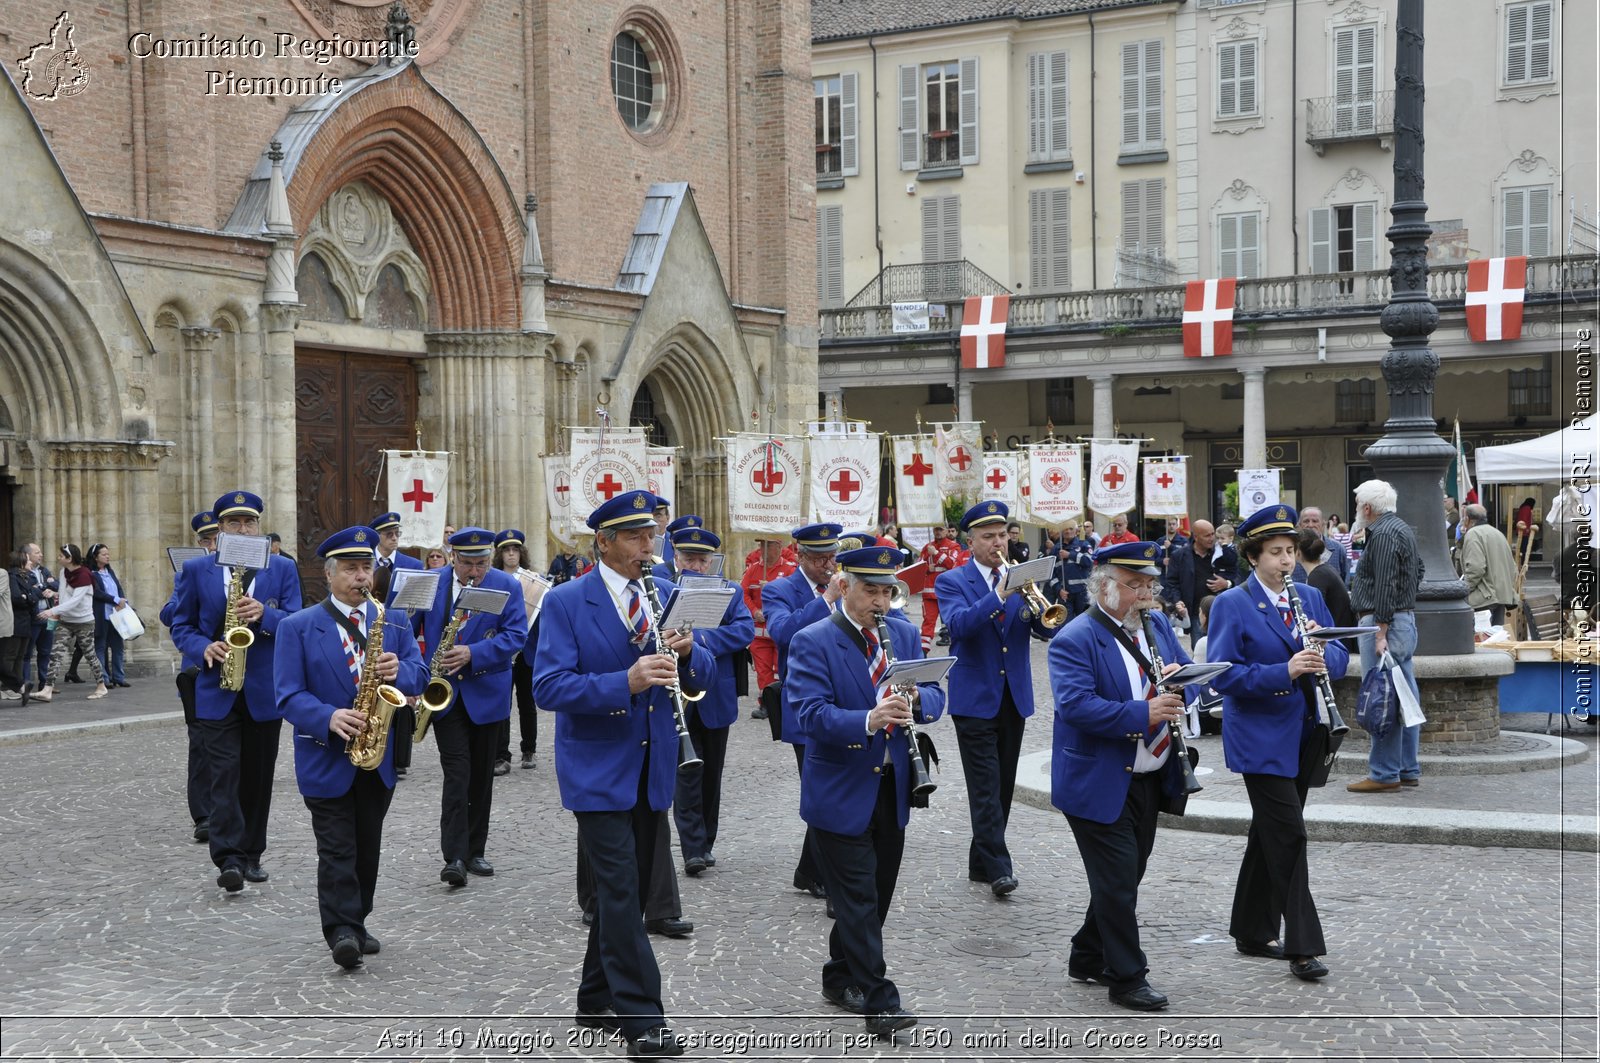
point(116, 944)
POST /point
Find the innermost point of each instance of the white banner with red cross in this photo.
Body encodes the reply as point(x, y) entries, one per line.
point(558, 499)
point(844, 479)
point(1208, 317)
point(605, 462)
point(916, 488)
point(1495, 291)
point(1000, 480)
point(983, 331)
point(1055, 483)
point(1112, 485)
point(1166, 488)
point(766, 482)
point(419, 490)
point(663, 471)
point(959, 458)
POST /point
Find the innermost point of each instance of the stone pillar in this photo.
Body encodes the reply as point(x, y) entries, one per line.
point(277, 425)
point(1255, 419)
point(964, 400)
point(1105, 425)
point(199, 438)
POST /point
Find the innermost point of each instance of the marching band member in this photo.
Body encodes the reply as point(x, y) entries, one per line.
point(318, 671)
point(697, 806)
point(991, 687)
point(1113, 763)
point(198, 786)
point(617, 756)
point(766, 565)
point(1270, 714)
point(239, 729)
point(856, 782)
point(478, 667)
point(510, 551)
point(387, 525)
point(798, 600)
point(667, 569)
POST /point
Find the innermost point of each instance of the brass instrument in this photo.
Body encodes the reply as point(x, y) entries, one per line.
point(900, 597)
point(376, 701)
point(922, 783)
point(688, 759)
point(439, 692)
point(1337, 728)
point(1180, 749)
point(238, 637)
point(534, 587)
point(1036, 605)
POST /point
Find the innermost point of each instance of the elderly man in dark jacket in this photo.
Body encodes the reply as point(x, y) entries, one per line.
point(1197, 570)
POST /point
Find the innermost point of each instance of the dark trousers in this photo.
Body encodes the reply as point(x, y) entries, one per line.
point(527, 713)
point(14, 656)
point(661, 898)
point(349, 833)
point(466, 757)
point(697, 805)
point(1274, 882)
point(198, 786)
point(108, 647)
point(989, 751)
point(861, 871)
point(240, 756)
point(403, 726)
point(1114, 857)
point(807, 868)
point(619, 966)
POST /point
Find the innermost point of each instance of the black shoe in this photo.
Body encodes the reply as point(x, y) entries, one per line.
point(1142, 999)
point(1308, 968)
point(455, 873)
point(850, 998)
point(254, 872)
point(658, 1042)
point(711, 858)
point(695, 865)
point(829, 903)
point(347, 952)
point(74, 677)
point(231, 878)
point(202, 831)
point(1270, 950)
point(527, 760)
point(1079, 974)
point(885, 1023)
point(759, 713)
point(371, 946)
point(502, 767)
point(1003, 885)
point(605, 1019)
point(809, 885)
point(122, 683)
point(672, 928)
point(479, 866)
point(399, 773)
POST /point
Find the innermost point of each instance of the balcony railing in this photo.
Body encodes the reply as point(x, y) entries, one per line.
point(1143, 267)
point(829, 160)
point(1331, 119)
point(941, 150)
point(1267, 298)
point(936, 282)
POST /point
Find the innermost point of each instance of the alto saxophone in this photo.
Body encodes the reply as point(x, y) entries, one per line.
point(238, 637)
point(376, 701)
point(439, 692)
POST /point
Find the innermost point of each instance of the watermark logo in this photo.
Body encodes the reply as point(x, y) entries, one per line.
point(55, 68)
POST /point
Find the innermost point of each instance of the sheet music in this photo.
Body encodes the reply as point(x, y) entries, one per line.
point(718, 564)
point(1341, 632)
point(918, 670)
point(483, 600)
point(1196, 673)
point(702, 606)
point(414, 589)
point(243, 551)
point(182, 555)
point(1040, 570)
point(698, 580)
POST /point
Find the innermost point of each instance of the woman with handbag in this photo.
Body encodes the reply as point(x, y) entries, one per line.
point(1272, 712)
point(74, 617)
point(20, 603)
point(108, 599)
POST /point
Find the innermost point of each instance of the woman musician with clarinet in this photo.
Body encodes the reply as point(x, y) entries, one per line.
point(1277, 709)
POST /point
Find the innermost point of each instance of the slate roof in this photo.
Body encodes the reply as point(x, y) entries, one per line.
point(842, 19)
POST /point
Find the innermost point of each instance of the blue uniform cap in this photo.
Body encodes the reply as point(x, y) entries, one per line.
point(692, 539)
point(1267, 522)
point(632, 509)
point(874, 564)
point(855, 540)
point(204, 522)
point(357, 542)
point(473, 542)
point(235, 503)
point(661, 503)
point(384, 521)
point(985, 513)
point(512, 536)
point(818, 538)
point(1138, 557)
point(688, 520)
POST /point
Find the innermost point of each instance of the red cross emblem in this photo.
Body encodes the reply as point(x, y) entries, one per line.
point(1165, 479)
point(417, 496)
point(1055, 479)
point(767, 478)
point(918, 470)
point(608, 485)
point(996, 479)
point(843, 487)
point(563, 485)
point(960, 458)
point(1113, 477)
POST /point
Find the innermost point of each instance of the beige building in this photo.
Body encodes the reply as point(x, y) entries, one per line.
point(1089, 157)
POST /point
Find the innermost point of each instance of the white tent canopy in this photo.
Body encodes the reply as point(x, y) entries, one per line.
point(1566, 455)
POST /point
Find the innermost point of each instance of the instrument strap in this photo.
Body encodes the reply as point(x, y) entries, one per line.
point(1120, 633)
point(345, 622)
point(250, 575)
point(848, 626)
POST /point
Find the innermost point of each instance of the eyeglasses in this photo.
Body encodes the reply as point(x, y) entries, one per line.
point(1144, 587)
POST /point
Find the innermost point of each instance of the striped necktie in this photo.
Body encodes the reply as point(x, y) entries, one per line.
point(351, 657)
point(877, 664)
point(1160, 733)
point(638, 618)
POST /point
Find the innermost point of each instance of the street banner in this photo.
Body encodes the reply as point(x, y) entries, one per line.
point(1166, 488)
point(1258, 488)
point(419, 490)
point(1208, 317)
point(844, 479)
point(663, 471)
point(916, 489)
point(558, 499)
point(1495, 291)
point(766, 482)
point(1112, 487)
point(1055, 483)
point(1000, 480)
point(909, 317)
point(983, 331)
point(605, 463)
point(959, 465)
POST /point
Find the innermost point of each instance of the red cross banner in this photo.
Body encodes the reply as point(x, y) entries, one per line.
point(958, 463)
point(419, 490)
point(604, 464)
point(916, 490)
point(1495, 288)
point(766, 482)
point(1112, 484)
point(844, 479)
point(1208, 317)
point(1000, 482)
point(983, 331)
point(663, 472)
point(558, 500)
point(1055, 483)
point(1166, 489)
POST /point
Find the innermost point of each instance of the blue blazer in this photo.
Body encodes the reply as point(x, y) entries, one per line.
point(313, 680)
point(990, 640)
point(1265, 714)
point(606, 736)
point(404, 561)
point(791, 604)
point(831, 693)
point(199, 602)
point(485, 691)
point(169, 611)
point(1100, 721)
point(720, 706)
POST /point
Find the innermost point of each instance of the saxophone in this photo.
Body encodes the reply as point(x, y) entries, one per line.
point(439, 692)
point(376, 701)
point(236, 635)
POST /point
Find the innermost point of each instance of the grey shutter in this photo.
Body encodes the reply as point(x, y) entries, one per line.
point(1132, 211)
point(910, 147)
point(1247, 77)
point(1516, 43)
point(1155, 221)
point(1227, 80)
point(849, 156)
point(1249, 245)
point(1538, 242)
point(1539, 42)
point(931, 243)
point(1355, 79)
point(1038, 239)
point(950, 226)
point(1152, 93)
point(969, 111)
point(1228, 245)
point(1366, 236)
point(1060, 147)
point(1366, 76)
point(1060, 223)
point(1321, 240)
point(830, 256)
point(1514, 231)
point(1038, 107)
point(1131, 127)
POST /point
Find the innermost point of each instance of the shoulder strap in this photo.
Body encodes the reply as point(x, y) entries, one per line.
point(1120, 633)
point(344, 621)
point(843, 623)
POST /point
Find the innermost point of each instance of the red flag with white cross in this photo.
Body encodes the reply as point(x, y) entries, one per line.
point(1495, 290)
point(983, 331)
point(1208, 317)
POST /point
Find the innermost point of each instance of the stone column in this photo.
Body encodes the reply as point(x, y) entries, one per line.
point(1105, 425)
point(1255, 418)
point(964, 400)
point(199, 438)
point(277, 424)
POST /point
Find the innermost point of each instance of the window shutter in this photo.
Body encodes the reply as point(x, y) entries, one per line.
point(1514, 228)
point(1132, 202)
point(1038, 239)
point(1344, 80)
point(1228, 245)
point(1038, 108)
point(1366, 236)
point(1155, 227)
point(1539, 41)
point(1538, 242)
point(1152, 92)
point(950, 224)
point(1366, 74)
point(1249, 245)
point(1060, 222)
point(1130, 94)
point(1247, 77)
point(1060, 147)
point(1516, 44)
point(1049, 239)
point(969, 111)
point(910, 153)
point(1227, 80)
point(830, 256)
point(930, 229)
point(849, 160)
point(1321, 240)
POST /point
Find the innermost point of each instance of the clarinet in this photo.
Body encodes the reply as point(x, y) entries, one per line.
point(688, 759)
point(1337, 728)
point(922, 783)
point(1191, 785)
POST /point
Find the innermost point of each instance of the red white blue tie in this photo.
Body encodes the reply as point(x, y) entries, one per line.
point(351, 657)
point(638, 617)
point(1160, 733)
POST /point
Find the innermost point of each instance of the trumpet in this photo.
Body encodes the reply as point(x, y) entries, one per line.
point(688, 759)
point(900, 597)
point(1180, 749)
point(1337, 728)
point(1036, 606)
point(922, 783)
